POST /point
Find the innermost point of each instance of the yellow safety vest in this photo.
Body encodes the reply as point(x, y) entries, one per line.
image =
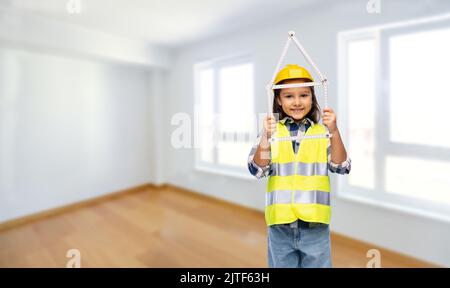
point(299, 186)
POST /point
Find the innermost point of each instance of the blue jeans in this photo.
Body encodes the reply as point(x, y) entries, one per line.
point(299, 244)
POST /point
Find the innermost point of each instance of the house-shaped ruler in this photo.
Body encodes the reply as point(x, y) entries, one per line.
point(271, 86)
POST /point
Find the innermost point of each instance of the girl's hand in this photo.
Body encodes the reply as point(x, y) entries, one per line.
point(329, 119)
point(269, 125)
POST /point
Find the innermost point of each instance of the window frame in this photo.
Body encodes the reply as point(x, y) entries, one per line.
point(384, 147)
point(217, 64)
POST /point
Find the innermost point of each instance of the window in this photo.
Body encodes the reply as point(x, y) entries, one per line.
point(224, 92)
point(393, 91)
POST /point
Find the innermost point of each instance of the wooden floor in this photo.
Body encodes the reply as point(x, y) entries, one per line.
point(160, 227)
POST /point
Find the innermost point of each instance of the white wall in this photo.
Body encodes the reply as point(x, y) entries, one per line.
point(70, 129)
point(317, 28)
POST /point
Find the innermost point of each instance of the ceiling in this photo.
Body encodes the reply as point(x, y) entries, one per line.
point(163, 22)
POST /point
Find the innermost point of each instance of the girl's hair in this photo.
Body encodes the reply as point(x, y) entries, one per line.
point(314, 113)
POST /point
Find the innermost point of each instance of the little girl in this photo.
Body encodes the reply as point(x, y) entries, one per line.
point(298, 209)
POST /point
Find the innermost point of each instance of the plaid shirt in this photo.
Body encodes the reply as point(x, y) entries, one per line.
point(259, 172)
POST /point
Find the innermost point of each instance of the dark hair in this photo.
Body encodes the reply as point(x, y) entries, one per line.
point(314, 113)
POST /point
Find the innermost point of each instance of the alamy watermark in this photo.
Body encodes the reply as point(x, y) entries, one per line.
point(74, 256)
point(375, 261)
point(73, 6)
point(194, 133)
point(373, 7)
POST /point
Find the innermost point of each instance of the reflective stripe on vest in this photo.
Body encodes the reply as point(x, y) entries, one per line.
point(305, 197)
point(299, 186)
point(306, 169)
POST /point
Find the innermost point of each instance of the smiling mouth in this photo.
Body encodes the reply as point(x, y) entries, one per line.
point(297, 110)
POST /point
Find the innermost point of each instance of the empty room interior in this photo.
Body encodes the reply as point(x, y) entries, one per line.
point(224, 134)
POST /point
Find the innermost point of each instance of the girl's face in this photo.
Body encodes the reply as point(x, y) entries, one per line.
point(296, 102)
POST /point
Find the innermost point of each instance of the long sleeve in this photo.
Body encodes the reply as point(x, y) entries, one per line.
point(255, 169)
point(340, 168)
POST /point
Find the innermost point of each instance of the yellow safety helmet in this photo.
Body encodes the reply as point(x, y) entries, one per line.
point(292, 71)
